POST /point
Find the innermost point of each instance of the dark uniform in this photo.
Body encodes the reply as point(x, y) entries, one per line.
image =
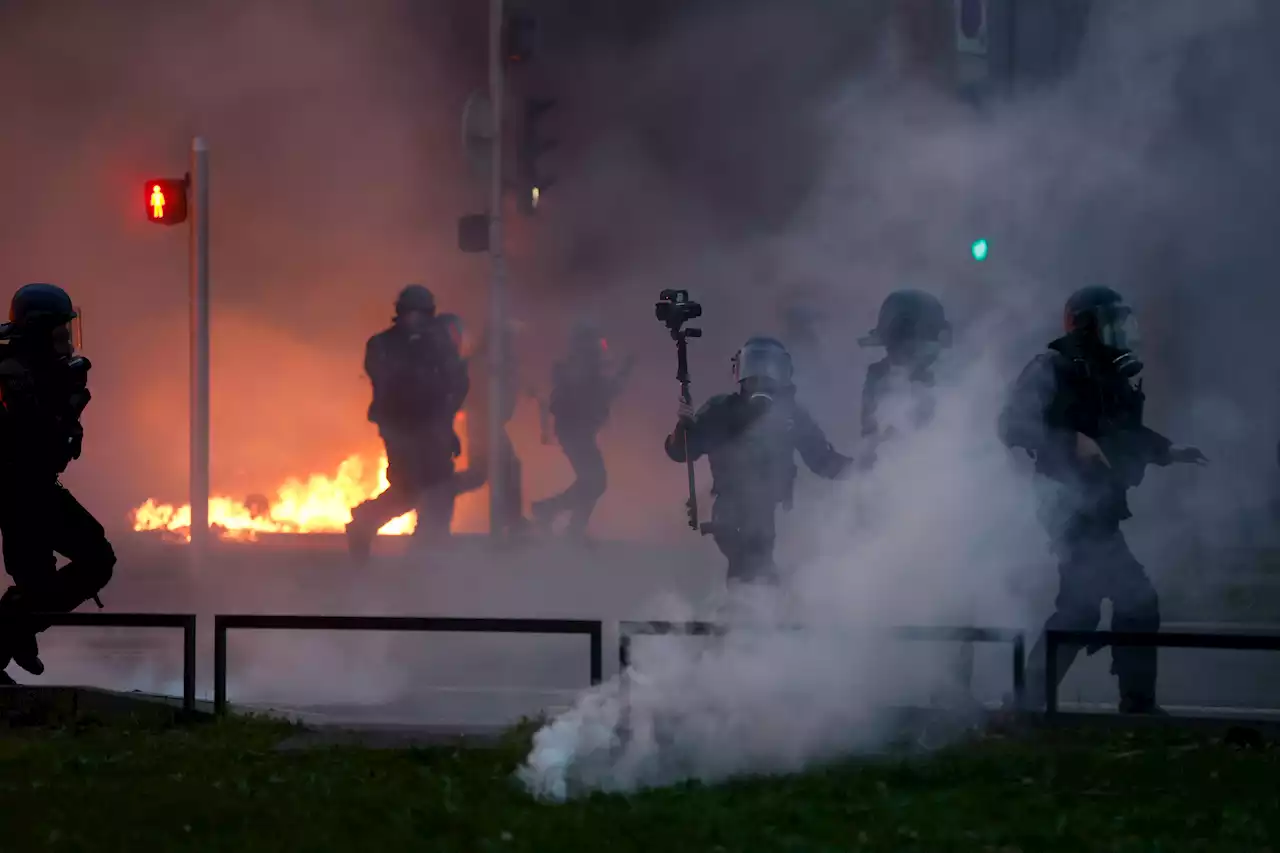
point(1077, 411)
point(582, 394)
point(44, 390)
point(913, 329)
point(419, 384)
point(751, 439)
point(481, 458)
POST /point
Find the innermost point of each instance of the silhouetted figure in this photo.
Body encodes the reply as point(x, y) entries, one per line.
point(582, 395)
point(44, 390)
point(419, 385)
point(751, 438)
point(1078, 412)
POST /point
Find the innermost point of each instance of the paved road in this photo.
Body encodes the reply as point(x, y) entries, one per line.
point(482, 680)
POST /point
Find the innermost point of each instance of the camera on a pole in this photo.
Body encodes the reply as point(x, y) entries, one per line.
point(674, 309)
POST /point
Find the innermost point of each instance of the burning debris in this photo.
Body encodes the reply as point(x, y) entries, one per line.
point(319, 504)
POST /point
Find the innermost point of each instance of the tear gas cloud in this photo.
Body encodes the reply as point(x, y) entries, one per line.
point(1115, 172)
point(751, 152)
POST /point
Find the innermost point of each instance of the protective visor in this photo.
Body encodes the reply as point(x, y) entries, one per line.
point(760, 362)
point(1118, 327)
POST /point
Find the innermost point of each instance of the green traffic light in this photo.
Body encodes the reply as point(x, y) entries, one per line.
point(979, 250)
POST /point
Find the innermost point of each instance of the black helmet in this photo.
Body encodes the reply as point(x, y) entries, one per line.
point(1085, 308)
point(907, 317)
point(1100, 313)
point(763, 360)
point(415, 297)
point(40, 305)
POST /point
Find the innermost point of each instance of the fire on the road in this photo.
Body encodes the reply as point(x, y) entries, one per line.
point(318, 504)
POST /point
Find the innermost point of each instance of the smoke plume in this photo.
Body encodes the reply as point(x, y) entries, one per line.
point(1118, 168)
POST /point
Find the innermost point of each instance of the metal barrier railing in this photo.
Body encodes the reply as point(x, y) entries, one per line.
point(591, 628)
point(627, 630)
point(185, 621)
point(1173, 640)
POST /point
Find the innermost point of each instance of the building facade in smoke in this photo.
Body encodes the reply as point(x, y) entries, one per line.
point(991, 46)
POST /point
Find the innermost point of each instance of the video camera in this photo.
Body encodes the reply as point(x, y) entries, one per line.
point(674, 309)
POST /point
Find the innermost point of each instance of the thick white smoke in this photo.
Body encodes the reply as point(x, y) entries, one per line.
point(944, 530)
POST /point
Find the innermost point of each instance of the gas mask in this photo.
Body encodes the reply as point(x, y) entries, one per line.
point(760, 393)
point(1118, 332)
point(414, 322)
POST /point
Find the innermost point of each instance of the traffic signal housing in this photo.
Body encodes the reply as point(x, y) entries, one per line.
point(165, 200)
point(532, 179)
point(518, 32)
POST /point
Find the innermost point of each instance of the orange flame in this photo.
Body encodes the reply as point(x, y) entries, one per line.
point(318, 504)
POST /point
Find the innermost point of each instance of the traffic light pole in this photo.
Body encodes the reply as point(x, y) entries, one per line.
point(497, 280)
point(199, 282)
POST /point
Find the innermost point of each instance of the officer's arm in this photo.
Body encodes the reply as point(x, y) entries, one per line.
point(870, 397)
point(697, 434)
point(1026, 421)
point(818, 454)
point(1156, 449)
point(375, 363)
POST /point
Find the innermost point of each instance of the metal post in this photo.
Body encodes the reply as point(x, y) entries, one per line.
point(199, 282)
point(624, 652)
point(219, 665)
point(1012, 46)
point(1051, 641)
point(597, 654)
point(189, 665)
point(1020, 671)
point(497, 277)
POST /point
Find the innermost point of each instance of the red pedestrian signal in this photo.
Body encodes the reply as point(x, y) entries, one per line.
point(165, 200)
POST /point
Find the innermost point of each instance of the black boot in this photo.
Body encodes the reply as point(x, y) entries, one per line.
point(17, 639)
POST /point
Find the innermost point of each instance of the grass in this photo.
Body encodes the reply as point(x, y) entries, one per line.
point(220, 786)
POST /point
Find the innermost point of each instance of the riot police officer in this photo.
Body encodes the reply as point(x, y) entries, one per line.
point(913, 329)
point(1078, 412)
point(582, 394)
point(899, 392)
point(419, 385)
point(751, 438)
point(43, 392)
